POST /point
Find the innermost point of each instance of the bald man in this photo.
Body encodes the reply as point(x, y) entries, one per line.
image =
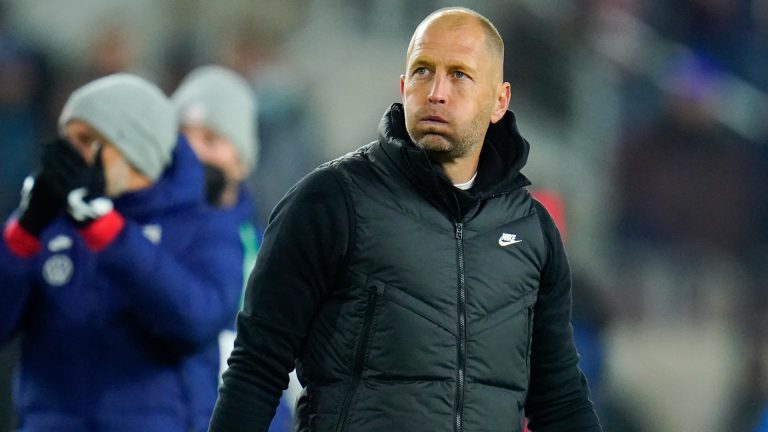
point(415, 283)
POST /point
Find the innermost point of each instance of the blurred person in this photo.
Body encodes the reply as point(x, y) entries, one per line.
point(689, 192)
point(666, 169)
point(415, 282)
point(116, 274)
point(112, 49)
point(290, 136)
point(217, 114)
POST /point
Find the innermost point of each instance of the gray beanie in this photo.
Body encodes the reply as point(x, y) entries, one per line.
point(133, 114)
point(222, 101)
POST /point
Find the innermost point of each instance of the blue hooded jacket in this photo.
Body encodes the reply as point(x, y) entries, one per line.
point(125, 339)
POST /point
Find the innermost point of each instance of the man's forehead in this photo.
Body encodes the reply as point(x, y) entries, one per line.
point(456, 57)
point(459, 39)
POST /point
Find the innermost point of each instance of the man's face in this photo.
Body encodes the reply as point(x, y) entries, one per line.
point(451, 89)
point(117, 171)
point(217, 151)
point(83, 138)
point(87, 141)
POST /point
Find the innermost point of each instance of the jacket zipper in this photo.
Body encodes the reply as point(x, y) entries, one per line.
point(362, 347)
point(461, 335)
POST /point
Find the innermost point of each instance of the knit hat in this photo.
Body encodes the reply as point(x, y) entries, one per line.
point(217, 98)
point(133, 114)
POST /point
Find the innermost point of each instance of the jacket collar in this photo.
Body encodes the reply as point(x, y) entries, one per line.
point(181, 184)
point(504, 153)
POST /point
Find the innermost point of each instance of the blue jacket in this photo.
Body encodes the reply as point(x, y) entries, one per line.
point(125, 339)
point(241, 215)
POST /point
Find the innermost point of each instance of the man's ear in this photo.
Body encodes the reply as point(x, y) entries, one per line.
point(502, 102)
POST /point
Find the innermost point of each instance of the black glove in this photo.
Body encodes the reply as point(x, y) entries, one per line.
point(214, 184)
point(44, 196)
point(86, 203)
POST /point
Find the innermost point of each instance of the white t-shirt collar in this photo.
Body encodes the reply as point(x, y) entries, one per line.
point(468, 184)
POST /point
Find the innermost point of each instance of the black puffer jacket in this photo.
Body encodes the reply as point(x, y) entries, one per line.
point(407, 304)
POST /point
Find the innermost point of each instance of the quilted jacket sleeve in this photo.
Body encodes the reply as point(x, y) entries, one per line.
point(304, 245)
point(558, 398)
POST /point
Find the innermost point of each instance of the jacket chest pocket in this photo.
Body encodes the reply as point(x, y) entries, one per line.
point(362, 349)
point(529, 317)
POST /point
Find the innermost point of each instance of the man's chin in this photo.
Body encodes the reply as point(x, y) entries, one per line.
point(440, 149)
point(434, 143)
point(440, 152)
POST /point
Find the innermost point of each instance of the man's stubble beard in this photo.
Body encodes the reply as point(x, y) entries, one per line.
point(452, 148)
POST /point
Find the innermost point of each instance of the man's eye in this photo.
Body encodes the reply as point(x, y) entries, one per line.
point(420, 70)
point(459, 74)
point(84, 139)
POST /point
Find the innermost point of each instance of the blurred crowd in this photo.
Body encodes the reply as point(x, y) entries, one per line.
point(649, 129)
point(678, 148)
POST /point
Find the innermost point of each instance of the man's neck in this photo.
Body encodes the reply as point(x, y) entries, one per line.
point(462, 170)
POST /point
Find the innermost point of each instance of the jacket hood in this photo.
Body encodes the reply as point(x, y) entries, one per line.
point(503, 155)
point(181, 184)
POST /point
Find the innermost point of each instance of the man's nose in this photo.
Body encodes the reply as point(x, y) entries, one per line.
point(437, 94)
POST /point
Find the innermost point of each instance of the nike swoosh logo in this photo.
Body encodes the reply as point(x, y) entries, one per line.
point(508, 239)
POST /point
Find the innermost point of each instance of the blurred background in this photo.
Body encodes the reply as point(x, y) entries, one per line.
point(648, 121)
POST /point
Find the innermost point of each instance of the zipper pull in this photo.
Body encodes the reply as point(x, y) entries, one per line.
point(459, 226)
